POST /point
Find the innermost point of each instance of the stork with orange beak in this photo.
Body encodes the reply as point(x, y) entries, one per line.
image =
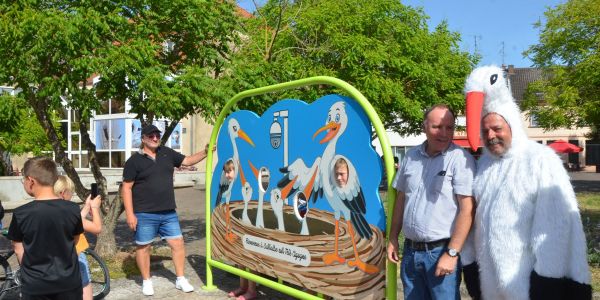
point(348, 201)
point(225, 184)
point(528, 238)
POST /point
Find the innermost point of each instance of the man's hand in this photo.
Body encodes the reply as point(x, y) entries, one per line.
point(392, 251)
point(446, 265)
point(132, 221)
point(206, 148)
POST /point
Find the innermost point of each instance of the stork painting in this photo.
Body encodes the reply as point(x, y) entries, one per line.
point(347, 200)
point(317, 222)
point(226, 182)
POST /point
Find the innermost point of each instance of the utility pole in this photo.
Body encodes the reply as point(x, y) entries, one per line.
point(476, 38)
point(502, 53)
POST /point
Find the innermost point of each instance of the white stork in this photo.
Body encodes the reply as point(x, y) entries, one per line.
point(318, 180)
point(301, 211)
point(259, 223)
point(225, 186)
point(246, 195)
point(277, 205)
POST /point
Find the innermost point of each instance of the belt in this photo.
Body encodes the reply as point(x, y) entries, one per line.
point(424, 246)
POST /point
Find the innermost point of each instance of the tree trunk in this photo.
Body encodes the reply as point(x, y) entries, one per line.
point(5, 164)
point(94, 166)
point(106, 244)
point(42, 108)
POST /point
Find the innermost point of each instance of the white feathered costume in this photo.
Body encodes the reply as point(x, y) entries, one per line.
point(527, 221)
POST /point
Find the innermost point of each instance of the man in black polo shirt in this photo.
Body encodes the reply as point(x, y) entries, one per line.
point(149, 202)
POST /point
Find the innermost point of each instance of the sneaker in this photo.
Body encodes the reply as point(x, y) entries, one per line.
point(184, 285)
point(147, 288)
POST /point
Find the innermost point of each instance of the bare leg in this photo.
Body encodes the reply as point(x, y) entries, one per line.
point(142, 257)
point(250, 292)
point(241, 290)
point(87, 292)
point(178, 252)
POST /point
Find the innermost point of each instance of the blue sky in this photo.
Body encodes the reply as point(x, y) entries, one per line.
point(490, 22)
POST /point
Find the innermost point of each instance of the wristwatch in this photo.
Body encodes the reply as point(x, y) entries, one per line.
point(452, 252)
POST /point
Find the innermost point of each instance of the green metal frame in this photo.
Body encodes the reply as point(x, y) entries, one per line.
point(391, 276)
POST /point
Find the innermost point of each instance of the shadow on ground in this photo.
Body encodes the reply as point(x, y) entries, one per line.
point(227, 282)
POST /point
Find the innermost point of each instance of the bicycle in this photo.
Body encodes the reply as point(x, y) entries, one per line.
point(10, 281)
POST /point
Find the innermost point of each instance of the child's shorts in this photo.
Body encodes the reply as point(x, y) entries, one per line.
point(84, 268)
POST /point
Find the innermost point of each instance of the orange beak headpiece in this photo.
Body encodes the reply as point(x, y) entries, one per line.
point(474, 105)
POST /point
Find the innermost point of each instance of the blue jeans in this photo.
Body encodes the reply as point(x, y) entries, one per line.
point(84, 268)
point(162, 223)
point(418, 275)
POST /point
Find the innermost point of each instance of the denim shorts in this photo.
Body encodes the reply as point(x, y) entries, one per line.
point(162, 223)
point(84, 268)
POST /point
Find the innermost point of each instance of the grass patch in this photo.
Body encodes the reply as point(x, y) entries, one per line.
point(595, 278)
point(589, 205)
point(123, 264)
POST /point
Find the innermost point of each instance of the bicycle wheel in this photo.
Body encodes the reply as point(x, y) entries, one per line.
point(8, 288)
point(100, 277)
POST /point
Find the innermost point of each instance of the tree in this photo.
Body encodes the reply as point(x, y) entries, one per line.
point(381, 47)
point(19, 131)
point(162, 56)
point(569, 52)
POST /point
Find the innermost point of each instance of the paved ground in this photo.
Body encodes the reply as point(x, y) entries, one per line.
point(190, 203)
point(191, 209)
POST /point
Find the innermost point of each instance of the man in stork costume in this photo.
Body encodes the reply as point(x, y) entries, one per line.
point(528, 236)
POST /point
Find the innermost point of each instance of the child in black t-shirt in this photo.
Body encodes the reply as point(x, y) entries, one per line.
point(44, 233)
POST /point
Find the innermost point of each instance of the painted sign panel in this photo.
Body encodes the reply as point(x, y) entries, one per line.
point(136, 133)
point(176, 137)
point(110, 134)
point(295, 196)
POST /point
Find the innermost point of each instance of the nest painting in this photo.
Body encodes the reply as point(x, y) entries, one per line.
point(295, 197)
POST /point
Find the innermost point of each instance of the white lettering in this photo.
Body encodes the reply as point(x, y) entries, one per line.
point(292, 254)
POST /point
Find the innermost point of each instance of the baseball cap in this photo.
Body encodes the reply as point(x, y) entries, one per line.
point(150, 129)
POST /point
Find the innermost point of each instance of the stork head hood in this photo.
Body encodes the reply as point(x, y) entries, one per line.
point(487, 92)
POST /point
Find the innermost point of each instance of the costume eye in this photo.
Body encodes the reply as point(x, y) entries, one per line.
point(328, 118)
point(337, 117)
point(235, 128)
point(493, 79)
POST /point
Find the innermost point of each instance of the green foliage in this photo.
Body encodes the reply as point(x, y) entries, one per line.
point(9, 112)
point(381, 47)
point(185, 41)
point(20, 132)
point(164, 56)
point(569, 51)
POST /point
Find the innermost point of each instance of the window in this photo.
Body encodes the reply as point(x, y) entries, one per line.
point(533, 120)
point(400, 152)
